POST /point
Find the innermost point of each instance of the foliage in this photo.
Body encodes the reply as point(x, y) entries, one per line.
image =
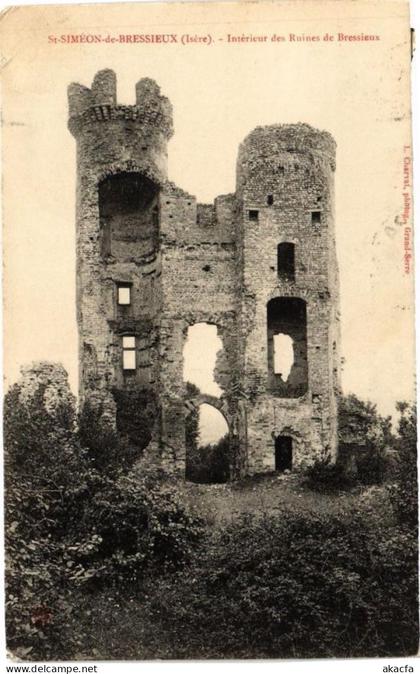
point(368, 443)
point(364, 438)
point(42, 495)
point(136, 413)
point(206, 464)
point(325, 476)
point(107, 451)
point(294, 585)
point(372, 465)
point(73, 520)
point(297, 584)
point(360, 424)
point(404, 490)
point(209, 464)
point(192, 419)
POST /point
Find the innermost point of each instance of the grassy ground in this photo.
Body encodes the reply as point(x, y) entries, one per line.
point(114, 625)
point(267, 494)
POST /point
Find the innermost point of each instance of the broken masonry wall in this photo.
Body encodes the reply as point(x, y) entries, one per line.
point(116, 144)
point(285, 183)
point(188, 263)
point(199, 285)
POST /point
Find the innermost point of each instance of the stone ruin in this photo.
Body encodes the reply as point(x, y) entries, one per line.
point(259, 264)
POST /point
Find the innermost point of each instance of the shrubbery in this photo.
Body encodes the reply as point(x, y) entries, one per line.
point(294, 585)
point(209, 464)
point(374, 462)
point(403, 490)
point(372, 465)
point(365, 444)
point(325, 476)
point(365, 436)
point(74, 516)
point(360, 424)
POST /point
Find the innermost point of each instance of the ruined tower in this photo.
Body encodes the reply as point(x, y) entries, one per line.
point(259, 265)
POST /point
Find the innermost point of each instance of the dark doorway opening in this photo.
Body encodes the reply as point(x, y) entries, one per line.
point(283, 452)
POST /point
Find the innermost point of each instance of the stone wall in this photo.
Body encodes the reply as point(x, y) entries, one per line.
point(190, 263)
point(285, 181)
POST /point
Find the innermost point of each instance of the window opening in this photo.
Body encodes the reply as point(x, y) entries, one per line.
point(124, 294)
point(286, 261)
point(253, 215)
point(287, 357)
point(129, 352)
point(202, 352)
point(316, 217)
point(128, 213)
point(283, 355)
point(270, 200)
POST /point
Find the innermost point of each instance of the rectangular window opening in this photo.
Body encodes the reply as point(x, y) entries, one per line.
point(316, 217)
point(286, 261)
point(129, 352)
point(253, 215)
point(124, 294)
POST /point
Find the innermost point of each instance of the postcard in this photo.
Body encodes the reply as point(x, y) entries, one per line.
point(209, 417)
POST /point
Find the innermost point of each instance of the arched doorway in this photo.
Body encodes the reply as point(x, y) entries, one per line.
point(283, 448)
point(207, 446)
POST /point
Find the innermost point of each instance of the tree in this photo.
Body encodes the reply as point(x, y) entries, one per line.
point(192, 419)
point(404, 490)
point(75, 518)
point(359, 423)
point(364, 438)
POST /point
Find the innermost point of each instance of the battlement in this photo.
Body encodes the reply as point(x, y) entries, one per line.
point(286, 141)
point(99, 104)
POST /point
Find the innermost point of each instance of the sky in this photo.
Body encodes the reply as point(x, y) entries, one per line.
point(356, 90)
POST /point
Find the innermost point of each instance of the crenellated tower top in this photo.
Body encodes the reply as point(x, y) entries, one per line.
point(99, 104)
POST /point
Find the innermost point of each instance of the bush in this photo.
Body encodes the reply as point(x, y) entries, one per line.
point(132, 527)
point(364, 438)
point(76, 519)
point(136, 414)
point(403, 490)
point(42, 468)
point(325, 476)
point(372, 465)
point(292, 586)
point(106, 450)
point(360, 424)
point(208, 464)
